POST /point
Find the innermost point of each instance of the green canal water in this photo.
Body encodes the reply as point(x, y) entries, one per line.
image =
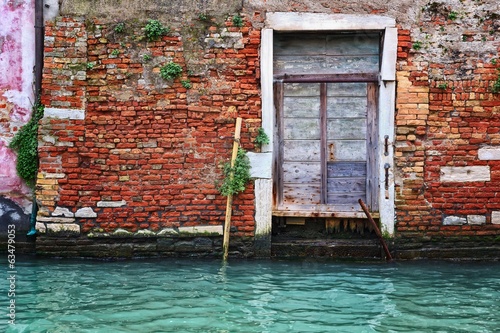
point(251, 296)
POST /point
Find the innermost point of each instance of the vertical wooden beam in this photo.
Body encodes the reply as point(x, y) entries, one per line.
point(324, 142)
point(229, 204)
point(372, 179)
point(279, 92)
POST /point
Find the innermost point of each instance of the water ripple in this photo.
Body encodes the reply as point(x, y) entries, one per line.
point(254, 296)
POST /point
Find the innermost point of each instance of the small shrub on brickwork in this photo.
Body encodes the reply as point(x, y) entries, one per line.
point(262, 138)
point(146, 57)
point(120, 27)
point(237, 21)
point(202, 17)
point(443, 86)
point(90, 65)
point(186, 84)
point(170, 71)
point(240, 175)
point(496, 86)
point(452, 16)
point(115, 52)
point(417, 45)
point(25, 143)
point(154, 30)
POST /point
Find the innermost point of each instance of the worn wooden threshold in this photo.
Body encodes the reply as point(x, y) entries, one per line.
point(304, 213)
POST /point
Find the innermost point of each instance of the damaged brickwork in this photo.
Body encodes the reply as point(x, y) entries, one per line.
point(124, 151)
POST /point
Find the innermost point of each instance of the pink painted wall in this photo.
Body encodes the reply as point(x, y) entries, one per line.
point(17, 59)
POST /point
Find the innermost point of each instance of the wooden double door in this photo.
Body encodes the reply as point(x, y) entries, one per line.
point(327, 145)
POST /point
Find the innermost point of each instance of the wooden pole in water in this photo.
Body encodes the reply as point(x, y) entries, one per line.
point(377, 230)
point(229, 204)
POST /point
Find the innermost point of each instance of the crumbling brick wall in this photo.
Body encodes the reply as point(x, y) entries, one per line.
point(123, 148)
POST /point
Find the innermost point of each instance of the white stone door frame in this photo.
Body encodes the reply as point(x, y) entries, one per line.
point(300, 22)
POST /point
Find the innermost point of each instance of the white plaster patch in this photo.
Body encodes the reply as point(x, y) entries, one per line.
point(54, 175)
point(40, 227)
point(85, 212)
point(454, 220)
point(63, 227)
point(489, 153)
point(476, 219)
point(465, 174)
point(261, 165)
point(60, 211)
point(495, 217)
point(111, 203)
point(145, 232)
point(55, 219)
point(76, 114)
point(209, 229)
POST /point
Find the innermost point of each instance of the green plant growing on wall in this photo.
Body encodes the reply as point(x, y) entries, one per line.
point(417, 45)
point(120, 27)
point(262, 138)
point(25, 143)
point(241, 177)
point(170, 71)
point(186, 84)
point(237, 21)
point(443, 86)
point(115, 52)
point(154, 30)
point(452, 16)
point(202, 17)
point(496, 86)
point(146, 57)
point(90, 65)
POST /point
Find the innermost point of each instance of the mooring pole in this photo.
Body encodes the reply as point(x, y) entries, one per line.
point(377, 230)
point(229, 204)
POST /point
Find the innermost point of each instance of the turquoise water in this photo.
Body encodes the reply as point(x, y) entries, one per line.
point(252, 296)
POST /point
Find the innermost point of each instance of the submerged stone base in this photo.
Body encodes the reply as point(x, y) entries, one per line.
point(136, 247)
point(339, 249)
point(455, 248)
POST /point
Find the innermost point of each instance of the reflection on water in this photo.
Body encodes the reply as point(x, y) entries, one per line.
point(253, 296)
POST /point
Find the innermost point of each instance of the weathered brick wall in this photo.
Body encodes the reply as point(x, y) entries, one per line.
point(447, 123)
point(140, 152)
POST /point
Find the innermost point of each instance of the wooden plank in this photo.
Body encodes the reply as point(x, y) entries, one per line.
point(331, 211)
point(278, 143)
point(323, 143)
point(336, 77)
point(325, 64)
point(346, 128)
point(301, 107)
point(301, 194)
point(229, 203)
point(301, 129)
point(346, 107)
point(353, 44)
point(372, 179)
point(347, 150)
point(347, 89)
point(301, 89)
point(299, 44)
point(346, 169)
point(301, 172)
point(301, 150)
point(345, 198)
point(339, 185)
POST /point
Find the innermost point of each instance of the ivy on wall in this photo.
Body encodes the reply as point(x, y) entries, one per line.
point(25, 143)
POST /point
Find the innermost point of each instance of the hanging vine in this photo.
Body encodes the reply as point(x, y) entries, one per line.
point(25, 143)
